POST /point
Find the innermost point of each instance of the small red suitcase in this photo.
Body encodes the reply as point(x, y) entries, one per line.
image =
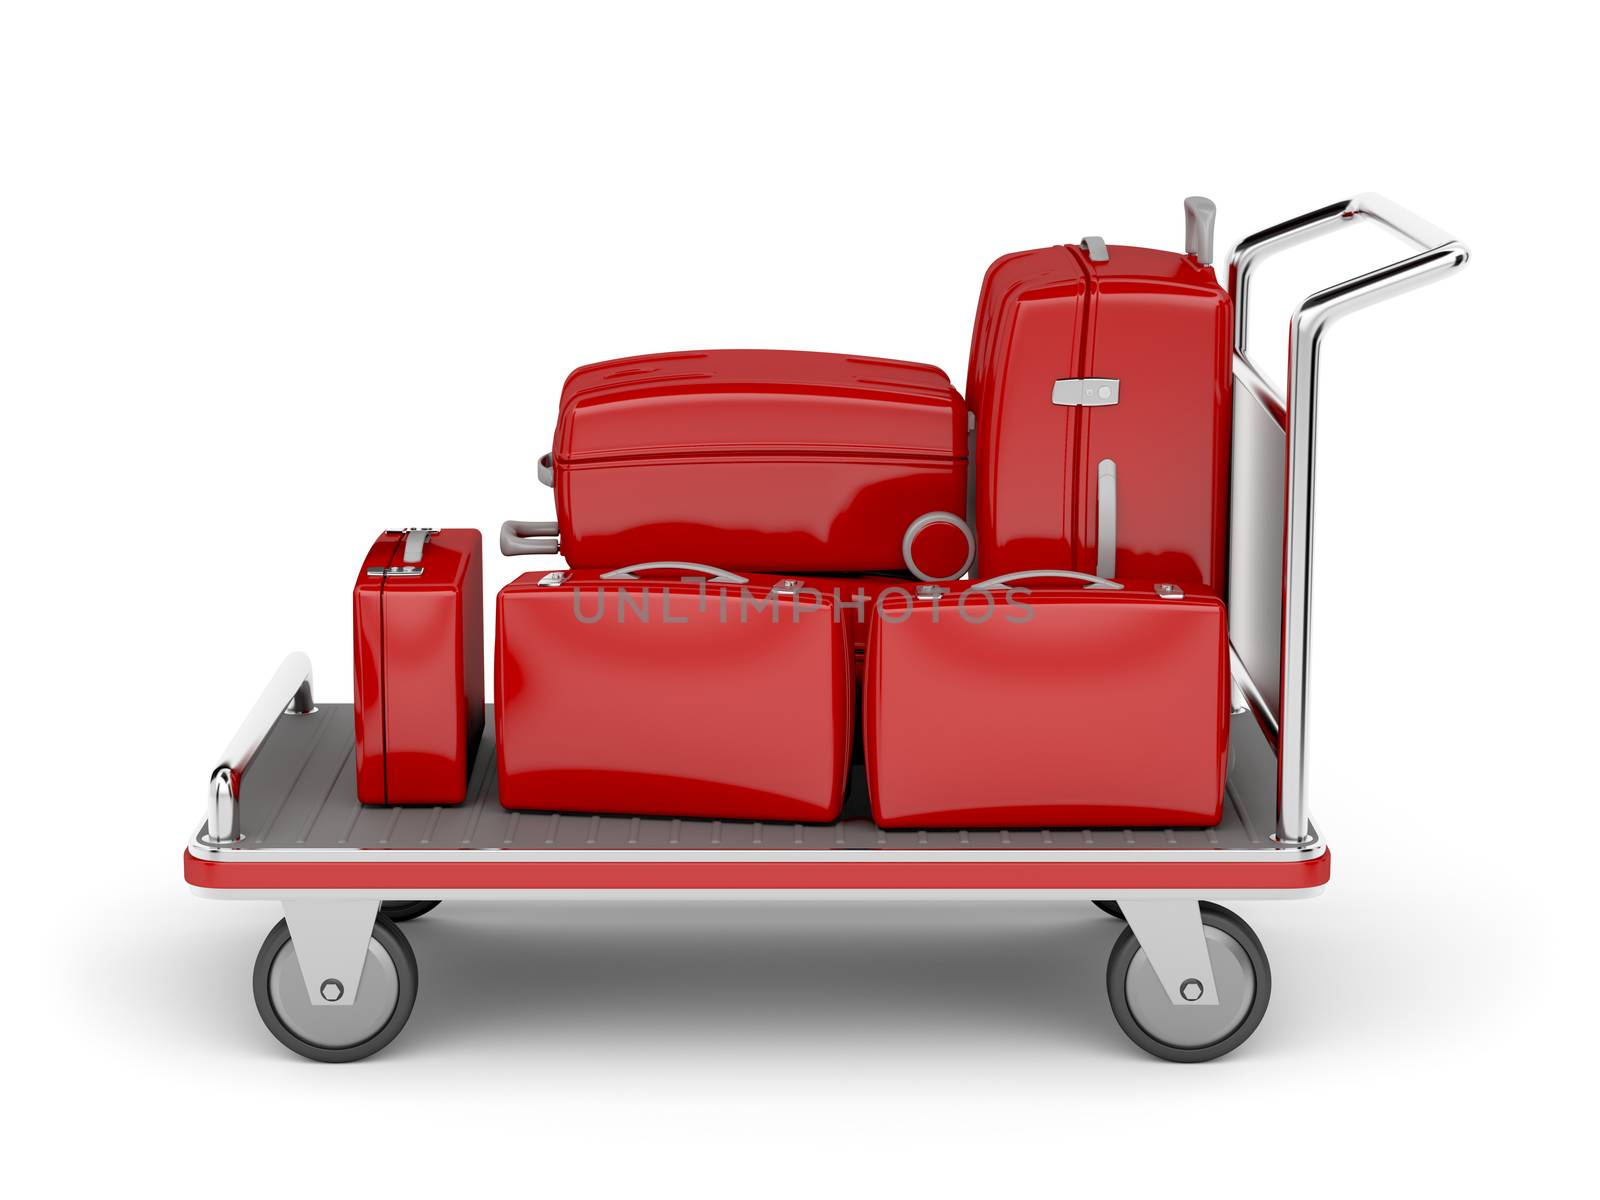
point(1080, 706)
point(1101, 379)
point(672, 689)
point(771, 460)
point(418, 666)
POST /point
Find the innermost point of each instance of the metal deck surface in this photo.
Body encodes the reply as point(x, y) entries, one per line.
point(298, 801)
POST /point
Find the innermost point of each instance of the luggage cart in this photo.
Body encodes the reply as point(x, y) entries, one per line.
point(1188, 980)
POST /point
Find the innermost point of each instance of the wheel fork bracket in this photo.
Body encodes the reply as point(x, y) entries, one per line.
point(1172, 937)
point(330, 941)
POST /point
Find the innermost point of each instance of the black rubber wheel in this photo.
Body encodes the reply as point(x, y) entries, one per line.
point(1111, 908)
point(1199, 1034)
point(407, 910)
point(337, 1034)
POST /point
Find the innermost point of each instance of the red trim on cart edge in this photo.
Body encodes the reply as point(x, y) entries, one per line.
point(603, 876)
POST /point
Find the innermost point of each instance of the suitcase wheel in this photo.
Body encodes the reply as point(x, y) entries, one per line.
point(344, 1033)
point(1110, 907)
point(1156, 1024)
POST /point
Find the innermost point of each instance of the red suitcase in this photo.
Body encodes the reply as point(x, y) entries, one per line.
point(754, 459)
point(672, 689)
point(419, 666)
point(1097, 706)
point(1101, 377)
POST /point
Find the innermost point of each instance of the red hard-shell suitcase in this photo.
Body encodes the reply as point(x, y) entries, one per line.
point(672, 689)
point(1101, 380)
point(1081, 706)
point(418, 666)
point(770, 460)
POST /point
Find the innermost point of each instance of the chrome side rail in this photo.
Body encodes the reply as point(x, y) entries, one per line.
point(1437, 255)
point(1255, 703)
point(289, 690)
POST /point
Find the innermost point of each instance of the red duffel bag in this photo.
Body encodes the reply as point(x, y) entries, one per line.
point(763, 460)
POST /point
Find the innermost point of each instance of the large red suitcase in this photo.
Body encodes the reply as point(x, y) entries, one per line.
point(754, 459)
point(418, 666)
point(672, 690)
point(1080, 706)
point(1101, 379)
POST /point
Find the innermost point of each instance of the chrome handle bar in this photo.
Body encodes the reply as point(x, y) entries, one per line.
point(289, 690)
point(1438, 254)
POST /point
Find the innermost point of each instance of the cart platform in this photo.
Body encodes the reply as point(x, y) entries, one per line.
point(301, 827)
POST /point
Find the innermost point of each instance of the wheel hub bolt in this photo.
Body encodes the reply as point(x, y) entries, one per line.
point(1191, 990)
point(332, 990)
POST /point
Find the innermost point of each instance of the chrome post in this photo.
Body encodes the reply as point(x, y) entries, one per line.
point(1439, 254)
point(289, 690)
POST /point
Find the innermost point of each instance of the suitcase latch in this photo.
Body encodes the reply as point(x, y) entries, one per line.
point(552, 579)
point(391, 572)
point(1169, 591)
point(1087, 393)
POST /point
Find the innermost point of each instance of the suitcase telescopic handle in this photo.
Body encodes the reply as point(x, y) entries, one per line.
point(530, 537)
point(715, 574)
point(1094, 581)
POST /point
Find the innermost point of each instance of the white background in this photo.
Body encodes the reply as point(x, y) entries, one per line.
point(275, 277)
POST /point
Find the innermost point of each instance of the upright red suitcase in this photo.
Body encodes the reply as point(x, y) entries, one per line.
point(754, 459)
point(419, 666)
point(1101, 379)
point(671, 689)
point(1080, 706)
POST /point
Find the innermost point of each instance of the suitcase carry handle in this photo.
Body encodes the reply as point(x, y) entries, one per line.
point(1094, 581)
point(530, 537)
point(716, 574)
point(547, 471)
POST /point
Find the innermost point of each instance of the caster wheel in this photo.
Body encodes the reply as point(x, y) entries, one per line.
point(1111, 908)
point(407, 910)
point(1196, 1034)
point(337, 1034)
